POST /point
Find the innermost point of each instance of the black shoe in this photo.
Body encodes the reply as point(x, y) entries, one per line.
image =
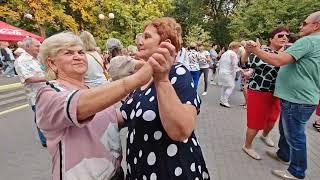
point(44, 145)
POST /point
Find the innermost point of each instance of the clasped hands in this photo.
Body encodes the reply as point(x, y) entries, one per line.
point(252, 46)
point(161, 62)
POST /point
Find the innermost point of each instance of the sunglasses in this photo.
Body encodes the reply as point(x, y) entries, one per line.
point(282, 35)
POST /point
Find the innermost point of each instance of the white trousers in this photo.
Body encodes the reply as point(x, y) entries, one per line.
point(226, 92)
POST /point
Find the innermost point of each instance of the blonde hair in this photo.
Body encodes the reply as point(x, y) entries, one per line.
point(89, 44)
point(234, 45)
point(52, 45)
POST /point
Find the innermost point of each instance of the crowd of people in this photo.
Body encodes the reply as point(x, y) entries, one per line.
point(82, 97)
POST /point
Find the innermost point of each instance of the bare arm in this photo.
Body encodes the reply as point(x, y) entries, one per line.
point(277, 60)
point(96, 99)
point(35, 80)
point(177, 119)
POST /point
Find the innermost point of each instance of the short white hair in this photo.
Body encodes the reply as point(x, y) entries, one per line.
point(27, 42)
point(52, 45)
point(316, 16)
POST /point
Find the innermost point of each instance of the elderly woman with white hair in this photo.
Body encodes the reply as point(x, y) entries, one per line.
point(227, 72)
point(80, 123)
point(97, 72)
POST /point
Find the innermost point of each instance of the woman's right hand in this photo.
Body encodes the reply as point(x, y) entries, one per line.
point(162, 61)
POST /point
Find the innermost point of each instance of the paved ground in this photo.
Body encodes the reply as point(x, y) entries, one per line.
point(5, 80)
point(220, 132)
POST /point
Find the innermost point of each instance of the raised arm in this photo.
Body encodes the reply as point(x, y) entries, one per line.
point(96, 99)
point(178, 119)
point(280, 59)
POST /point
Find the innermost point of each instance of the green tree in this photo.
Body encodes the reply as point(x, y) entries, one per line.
point(257, 18)
point(211, 15)
point(196, 34)
point(52, 16)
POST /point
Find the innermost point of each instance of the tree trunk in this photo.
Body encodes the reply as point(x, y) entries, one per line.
point(42, 31)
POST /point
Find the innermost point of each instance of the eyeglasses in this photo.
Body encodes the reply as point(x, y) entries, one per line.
point(282, 35)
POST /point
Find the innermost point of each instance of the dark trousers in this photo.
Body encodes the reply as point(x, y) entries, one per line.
point(205, 72)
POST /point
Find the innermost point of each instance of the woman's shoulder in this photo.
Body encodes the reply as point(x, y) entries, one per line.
point(178, 69)
point(93, 54)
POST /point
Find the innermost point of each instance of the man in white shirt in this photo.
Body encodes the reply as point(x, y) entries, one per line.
point(31, 74)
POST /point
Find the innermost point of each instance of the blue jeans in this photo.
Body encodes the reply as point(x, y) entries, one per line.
point(43, 139)
point(9, 68)
point(292, 142)
point(195, 76)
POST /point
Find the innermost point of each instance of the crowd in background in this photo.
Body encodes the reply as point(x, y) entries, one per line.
point(145, 79)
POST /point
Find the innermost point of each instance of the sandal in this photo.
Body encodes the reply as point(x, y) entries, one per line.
point(316, 126)
point(252, 153)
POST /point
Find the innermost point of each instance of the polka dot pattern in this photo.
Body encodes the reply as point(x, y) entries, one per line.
point(153, 176)
point(124, 114)
point(139, 112)
point(147, 139)
point(148, 92)
point(172, 150)
point(180, 71)
point(178, 171)
point(157, 135)
point(151, 159)
point(129, 101)
point(173, 80)
point(132, 114)
point(149, 115)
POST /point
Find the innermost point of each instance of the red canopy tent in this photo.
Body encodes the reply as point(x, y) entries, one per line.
point(11, 33)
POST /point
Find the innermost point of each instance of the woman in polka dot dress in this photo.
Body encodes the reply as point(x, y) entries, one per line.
point(161, 115)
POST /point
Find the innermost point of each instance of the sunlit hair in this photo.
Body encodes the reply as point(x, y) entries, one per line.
point(89, 44)
point(168, 28)
point(234, 45)
point(53, 45)
point(276, 31)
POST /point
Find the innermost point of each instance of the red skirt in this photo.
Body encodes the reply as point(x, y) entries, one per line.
point(262, 108)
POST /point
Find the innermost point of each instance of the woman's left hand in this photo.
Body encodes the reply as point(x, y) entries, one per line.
point(162, 60)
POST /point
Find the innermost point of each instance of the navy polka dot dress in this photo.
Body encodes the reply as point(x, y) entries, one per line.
point(151, 154)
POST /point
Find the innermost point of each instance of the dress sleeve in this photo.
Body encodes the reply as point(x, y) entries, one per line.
point(183, 84)
point(57, 110)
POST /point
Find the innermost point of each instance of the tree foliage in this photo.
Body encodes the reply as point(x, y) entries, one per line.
point(257, 18)
point(211, 15)
point(196, 34)
point(52, 16)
